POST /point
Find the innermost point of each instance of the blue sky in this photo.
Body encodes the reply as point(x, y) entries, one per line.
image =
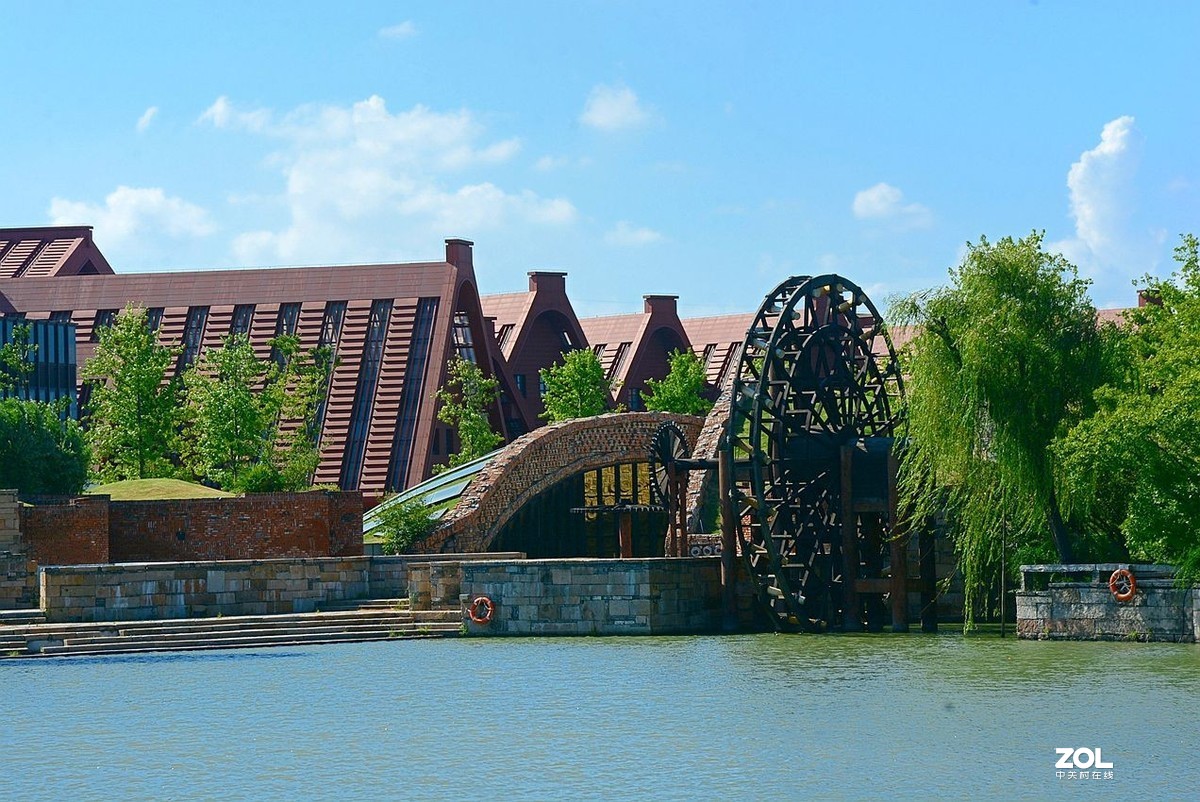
point(702, 149)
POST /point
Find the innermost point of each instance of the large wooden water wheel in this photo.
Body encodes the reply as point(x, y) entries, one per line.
point(815, 409)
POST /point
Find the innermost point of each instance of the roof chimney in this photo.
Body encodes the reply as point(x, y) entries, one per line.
point(662, 304)
point(458, 252)
point(544, 280)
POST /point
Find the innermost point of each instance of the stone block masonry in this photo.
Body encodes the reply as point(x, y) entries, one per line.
point(652, 596)
point(151, 591)
point(1076, 604)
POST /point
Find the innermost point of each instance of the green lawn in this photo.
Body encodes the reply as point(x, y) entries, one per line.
point(154, 489)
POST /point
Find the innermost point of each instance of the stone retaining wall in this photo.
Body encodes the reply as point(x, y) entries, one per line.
point(147, 591)
point(1076, 604)
point(651, 596)
point(17, 569)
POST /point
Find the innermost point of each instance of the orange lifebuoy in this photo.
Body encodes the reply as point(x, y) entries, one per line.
point(481, 610)
point(1122, 584)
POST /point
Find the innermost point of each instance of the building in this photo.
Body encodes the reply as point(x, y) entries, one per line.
point(634, 348)
point(533, 330)
point(393, 327)
point(51, 357)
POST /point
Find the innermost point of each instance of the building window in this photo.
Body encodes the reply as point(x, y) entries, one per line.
point(331, 334)
point(519, 378)
point(193, 335)
point(505, 332)
point(286, 322)
point(410, 396)
point(619, 360)
point(331, 325)
point(60, 317)
point(364, 394)
point(154, 317)
point(464, 346)
point(243, 314)
point(564, 340)
point(635, 401)
point(104, 320)
point(706, 359)
point(541, 386)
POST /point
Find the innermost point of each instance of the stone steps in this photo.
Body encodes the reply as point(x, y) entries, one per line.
point(168, 635)
point(365, 604)
point(126, 637)
point(141, 646)
point(17, 617)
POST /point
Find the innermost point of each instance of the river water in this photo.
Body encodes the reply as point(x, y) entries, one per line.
point(740, 717)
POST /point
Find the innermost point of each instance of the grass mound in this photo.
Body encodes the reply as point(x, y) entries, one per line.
point(154, 490)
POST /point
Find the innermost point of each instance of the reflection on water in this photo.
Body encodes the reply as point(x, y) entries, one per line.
point(745, 717)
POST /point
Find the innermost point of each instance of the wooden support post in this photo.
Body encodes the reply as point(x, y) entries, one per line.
point(728, 540)
point(625, 528)
point(681, 514)
point(672, 509)
point(851, 602)
point(929, 618)
point(899, 541)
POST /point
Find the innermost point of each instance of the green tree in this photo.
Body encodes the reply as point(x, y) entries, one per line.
point(1132, 470)
point(249, 423)
point(1006, 358)
point(575, 389)
point(41, 450)
point(682, 389)
point(465, 400)
point(16, 360)
point(403, 523)
point(132, 423)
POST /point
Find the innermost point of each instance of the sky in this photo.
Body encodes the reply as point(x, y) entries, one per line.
point(707, 150)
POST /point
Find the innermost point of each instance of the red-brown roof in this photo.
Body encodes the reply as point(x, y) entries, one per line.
point(52, 251)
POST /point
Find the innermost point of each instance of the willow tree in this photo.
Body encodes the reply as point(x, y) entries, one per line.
point(1005, 358)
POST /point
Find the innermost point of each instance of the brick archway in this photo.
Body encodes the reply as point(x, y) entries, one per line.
point(536, 462)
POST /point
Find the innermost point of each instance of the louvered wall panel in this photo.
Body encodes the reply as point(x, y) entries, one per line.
point(382, 429)
point(11, 264)
point(50, 257)
point(170, 328)
point(216, 328)
point(85, 349)
point(341, 392)
point(262, 329)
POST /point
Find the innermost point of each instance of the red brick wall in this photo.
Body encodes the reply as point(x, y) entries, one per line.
point(260, 526)
point(73, 531)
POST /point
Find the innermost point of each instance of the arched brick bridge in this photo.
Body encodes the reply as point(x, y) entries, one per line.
point(536, 462)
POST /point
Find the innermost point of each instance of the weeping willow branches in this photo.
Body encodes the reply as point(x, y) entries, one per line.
point(1006, 358)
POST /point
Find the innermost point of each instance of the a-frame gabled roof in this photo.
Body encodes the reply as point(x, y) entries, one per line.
point(50, 251)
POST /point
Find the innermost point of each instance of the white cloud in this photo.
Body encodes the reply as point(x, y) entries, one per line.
point(625, 234)
point(222, 115)
point(1107, 247)
point(362, 182)
point(613, 108)
point(405, 30)
point(886, 202)
point(1097, 184)
point(135, 222)
point(147, 117)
